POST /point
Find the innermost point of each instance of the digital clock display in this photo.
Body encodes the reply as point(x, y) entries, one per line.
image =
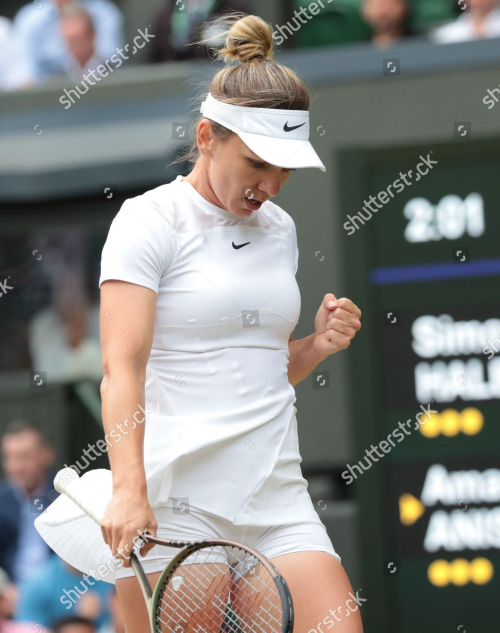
point(426, 273)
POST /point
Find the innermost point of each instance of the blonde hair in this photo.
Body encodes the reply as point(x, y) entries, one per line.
point(257, 81)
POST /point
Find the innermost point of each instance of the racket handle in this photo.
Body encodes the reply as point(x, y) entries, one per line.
point(67, 481)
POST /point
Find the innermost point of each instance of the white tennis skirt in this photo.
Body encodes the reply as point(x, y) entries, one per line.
point(78, 539)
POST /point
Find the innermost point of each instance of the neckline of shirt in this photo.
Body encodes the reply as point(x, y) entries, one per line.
point(208, 206)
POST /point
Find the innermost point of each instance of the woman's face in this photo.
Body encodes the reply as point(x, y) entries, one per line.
point(235, 173)
point(384, 14)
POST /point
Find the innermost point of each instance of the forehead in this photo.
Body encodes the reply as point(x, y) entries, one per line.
point(79, 20)
point(23, 437)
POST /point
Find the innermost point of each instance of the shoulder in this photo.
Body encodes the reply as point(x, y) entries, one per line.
point(6, 492)
point(10, 511)
point(152, 211)
point(27, 18)
point(5, 25)
point(139, 246)
point(451, 32)
point(158, 202)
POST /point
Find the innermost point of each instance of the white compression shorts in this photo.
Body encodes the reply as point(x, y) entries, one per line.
point(197, 525)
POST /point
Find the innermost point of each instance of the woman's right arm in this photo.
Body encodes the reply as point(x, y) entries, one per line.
point(127, 317)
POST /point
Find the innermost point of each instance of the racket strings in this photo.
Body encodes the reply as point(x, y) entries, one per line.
point(219, 589)
point(185, 592)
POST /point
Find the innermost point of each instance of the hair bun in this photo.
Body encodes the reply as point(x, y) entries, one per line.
point(247, 37)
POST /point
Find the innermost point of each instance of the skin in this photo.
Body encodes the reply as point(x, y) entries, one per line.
point(479, 11)
point(386, 19)
point(77, 628)
point(25, 459)
point(483, 7)
point(116, 613)
point(80, 38)
point(76, 323)
point(225, 187)
point(221, 175)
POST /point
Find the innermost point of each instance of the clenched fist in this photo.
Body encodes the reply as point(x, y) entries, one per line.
point(335, 325)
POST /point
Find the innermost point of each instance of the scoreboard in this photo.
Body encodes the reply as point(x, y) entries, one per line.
point(423, 265)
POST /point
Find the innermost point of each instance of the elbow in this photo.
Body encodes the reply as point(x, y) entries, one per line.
point(104, 381)
point(124, 371)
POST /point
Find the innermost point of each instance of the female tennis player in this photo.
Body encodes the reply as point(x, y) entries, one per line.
point(198, 306)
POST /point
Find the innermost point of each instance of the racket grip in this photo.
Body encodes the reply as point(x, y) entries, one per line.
point(67, 481)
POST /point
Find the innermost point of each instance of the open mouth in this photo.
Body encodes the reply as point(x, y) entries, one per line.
point(252, 204)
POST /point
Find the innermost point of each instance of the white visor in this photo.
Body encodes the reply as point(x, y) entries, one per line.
point(279, 137)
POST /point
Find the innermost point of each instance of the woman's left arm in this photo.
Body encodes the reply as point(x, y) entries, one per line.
point(335, 325)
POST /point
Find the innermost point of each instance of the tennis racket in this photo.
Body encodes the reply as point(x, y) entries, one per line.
point(210, 586)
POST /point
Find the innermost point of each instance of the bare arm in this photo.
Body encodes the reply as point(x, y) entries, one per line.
point(127, 323)
point(303, 359)
point(335, 325)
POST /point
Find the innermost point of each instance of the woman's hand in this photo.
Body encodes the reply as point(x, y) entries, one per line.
point(128, 515)
point(335, 326)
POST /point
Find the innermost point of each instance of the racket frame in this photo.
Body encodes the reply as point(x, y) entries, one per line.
point(151, 597)
point(67, 481)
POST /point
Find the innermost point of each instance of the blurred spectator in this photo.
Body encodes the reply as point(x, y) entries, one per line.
point(37, 28)
point(61, 341)
point(389, 20)
point(74, 625)
point(175, 28)
point(7, 626)
point(480, 19)
point(116, 625)
point(57, 590)
point(27, 458)
point(78, 31)
point(12, 72)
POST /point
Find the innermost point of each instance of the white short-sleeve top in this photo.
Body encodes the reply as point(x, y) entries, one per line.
point(221, 431)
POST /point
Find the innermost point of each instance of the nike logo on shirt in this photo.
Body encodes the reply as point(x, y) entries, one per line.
point(240, 245)
point(289, 129)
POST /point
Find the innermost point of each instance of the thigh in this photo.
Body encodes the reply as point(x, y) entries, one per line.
point(255, 601)
point(132, 605)
point(294, 550)
point(194, 596)
point(321, 592)
point(186, 606)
